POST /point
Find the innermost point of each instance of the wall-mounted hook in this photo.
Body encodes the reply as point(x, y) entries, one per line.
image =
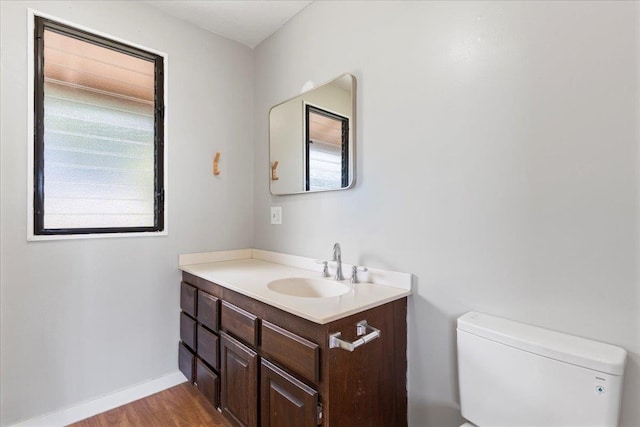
point(216, 171)
point(274, 172)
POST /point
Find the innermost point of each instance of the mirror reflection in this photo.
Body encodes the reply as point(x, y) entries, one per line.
point(311, 139)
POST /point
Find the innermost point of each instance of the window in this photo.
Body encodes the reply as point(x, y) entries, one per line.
point(98, 134)
point(327, 165)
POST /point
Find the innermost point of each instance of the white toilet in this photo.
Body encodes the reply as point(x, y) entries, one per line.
point(515, 375)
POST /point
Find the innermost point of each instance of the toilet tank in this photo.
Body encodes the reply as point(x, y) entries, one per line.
point(513, 374)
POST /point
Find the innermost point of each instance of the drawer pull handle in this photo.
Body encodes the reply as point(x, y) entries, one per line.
point(362, 328)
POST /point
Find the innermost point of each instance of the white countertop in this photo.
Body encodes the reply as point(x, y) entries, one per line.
point(249, 271)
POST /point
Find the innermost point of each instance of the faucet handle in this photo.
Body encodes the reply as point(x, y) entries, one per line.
point(325, 267)
point(354, 273)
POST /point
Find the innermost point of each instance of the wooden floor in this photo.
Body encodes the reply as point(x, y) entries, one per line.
point(182, 405)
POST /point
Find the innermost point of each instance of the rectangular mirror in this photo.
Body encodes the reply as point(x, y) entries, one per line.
point(312, 140)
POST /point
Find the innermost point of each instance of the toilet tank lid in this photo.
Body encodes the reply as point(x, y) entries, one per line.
point(567, 348)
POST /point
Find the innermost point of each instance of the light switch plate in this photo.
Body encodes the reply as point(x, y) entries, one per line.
point(276, 215)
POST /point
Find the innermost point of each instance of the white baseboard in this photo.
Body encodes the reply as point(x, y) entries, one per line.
point(104, 403)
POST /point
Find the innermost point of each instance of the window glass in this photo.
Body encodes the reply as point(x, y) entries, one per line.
point(98, 153)
point(326, 150)
point(325, 166)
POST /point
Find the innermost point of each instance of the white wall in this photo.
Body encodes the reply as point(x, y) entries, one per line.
point(87, 317)
point(497, 161)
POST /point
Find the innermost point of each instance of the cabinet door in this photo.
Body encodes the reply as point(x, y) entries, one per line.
point(239, 385)
point(285, 401)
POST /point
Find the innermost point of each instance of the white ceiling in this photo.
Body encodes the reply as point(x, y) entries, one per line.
point(247, 22)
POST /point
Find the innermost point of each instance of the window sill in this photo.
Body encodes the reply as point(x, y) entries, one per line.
point(40, 238)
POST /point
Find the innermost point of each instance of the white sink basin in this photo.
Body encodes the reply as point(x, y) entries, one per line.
point(308, 288)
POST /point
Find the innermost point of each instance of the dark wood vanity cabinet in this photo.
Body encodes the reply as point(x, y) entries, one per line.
point(264, 367)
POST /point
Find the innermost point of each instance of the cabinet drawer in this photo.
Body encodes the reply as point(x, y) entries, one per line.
point(207, 383)
point(292, 351)
point(186, 362)
point(188, 299)
point(239, 323)
point(208, 310)
point(208, 346)
point(188, 331)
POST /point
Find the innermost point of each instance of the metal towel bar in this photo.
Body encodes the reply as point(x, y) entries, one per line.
point(362, 327)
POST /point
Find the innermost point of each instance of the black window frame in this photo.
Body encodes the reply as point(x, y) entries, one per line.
point(344, 167)
point(38, 167)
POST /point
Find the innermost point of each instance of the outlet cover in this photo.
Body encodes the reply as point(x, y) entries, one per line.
point(276, 215)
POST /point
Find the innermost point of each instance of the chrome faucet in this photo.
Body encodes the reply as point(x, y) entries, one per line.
point(337, 257)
